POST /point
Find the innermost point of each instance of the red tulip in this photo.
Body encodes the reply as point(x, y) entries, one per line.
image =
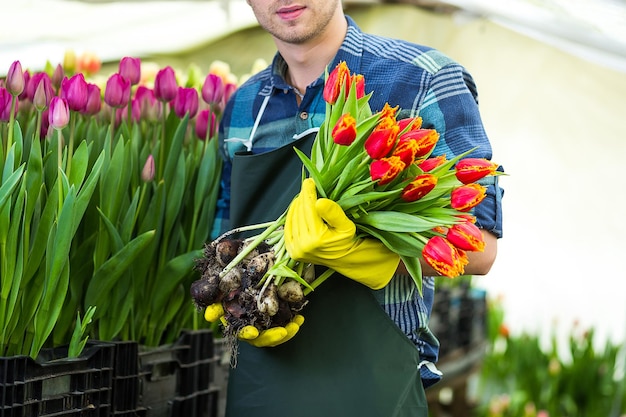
point(466, 236)
point(470, 170)
point(165, 86)
point(385, 170)
point(15, 79)
point(429, 164)
point(74, 91)
point(344, 132)
point(467, 196)
point(425, 139)
point(213, 89)
point(337, 78)
point(419, 187)
point(186, 101)
point(130, 69)
point(117, 91)
point(411, 123)
point(358, 82)
point(444, 257)
point(381, 141)
point(59, 113)
point(406, 149)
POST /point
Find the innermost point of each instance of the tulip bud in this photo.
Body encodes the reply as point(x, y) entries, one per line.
point(466, 236)
point(74, 91)
point(381, 141)
point(57, 77)
point(411, 123)
point(425, 139)
point(419, 187)
point(344, 132)
point(385, 170)
point(94, 100)
point(444, 257)
point(117, 91)
point(470, 170)
point(15, 79)
point(165, 85)
point(337, 78)
point(147, 173)
point(42, 96)
point(130, 69)
point(429, 164)
point(5, 104)
point(203, 124)
point(212, 89)
point(59, 113)
point(147, 103)
point(186, 101)
point(358, 83)
point(467, 196)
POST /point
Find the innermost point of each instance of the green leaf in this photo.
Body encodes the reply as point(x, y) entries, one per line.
point(80, 162)
point(172, 275)
point(107, 275)
point(412, 265)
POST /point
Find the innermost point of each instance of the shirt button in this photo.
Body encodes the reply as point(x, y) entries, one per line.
point(304, 115)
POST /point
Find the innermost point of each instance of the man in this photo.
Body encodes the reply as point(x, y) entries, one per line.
point(351, 357)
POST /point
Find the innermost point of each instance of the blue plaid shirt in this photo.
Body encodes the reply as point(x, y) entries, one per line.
point(421, 81)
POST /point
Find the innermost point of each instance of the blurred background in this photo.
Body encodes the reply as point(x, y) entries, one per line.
point(551, 77)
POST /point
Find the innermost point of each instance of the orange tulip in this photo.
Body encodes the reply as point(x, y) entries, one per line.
point(467, 196)
point(444, 257)
point(470, 170)
point(344, 132)
point(381, 141)
point(419, 187)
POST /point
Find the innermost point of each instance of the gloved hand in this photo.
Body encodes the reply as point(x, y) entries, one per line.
point(265, 338)
point(319, 232)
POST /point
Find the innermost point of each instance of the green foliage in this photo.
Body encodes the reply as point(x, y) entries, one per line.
point(521, 378)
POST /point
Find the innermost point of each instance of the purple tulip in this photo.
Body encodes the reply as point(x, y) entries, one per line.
point(117, 91)
point(43, 94)
point(94, 100)
point(147, 103)
point(34, 82)
point(186, 101)
point(15, 79)
point(165, 86)
point(202, 124)
point(213, 89)
point(24, 94)
point(74, 91)
point(59, 113)
point(5, 104)
point(130, 68)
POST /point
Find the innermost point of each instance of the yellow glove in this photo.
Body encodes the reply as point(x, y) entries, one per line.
point(265, 338)
point(319, 232)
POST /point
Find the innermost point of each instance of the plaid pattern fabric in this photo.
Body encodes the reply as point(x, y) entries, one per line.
point(421, 81)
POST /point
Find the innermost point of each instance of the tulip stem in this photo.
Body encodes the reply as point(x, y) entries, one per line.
point(11, 123)
point(70, 147)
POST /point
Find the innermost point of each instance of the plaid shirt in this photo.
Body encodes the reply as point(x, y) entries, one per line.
point(421, 81)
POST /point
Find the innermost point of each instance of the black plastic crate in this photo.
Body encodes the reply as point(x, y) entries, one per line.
point(54, 385)
point(166, 381)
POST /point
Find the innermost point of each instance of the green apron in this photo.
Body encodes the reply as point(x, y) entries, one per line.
point(349, 359)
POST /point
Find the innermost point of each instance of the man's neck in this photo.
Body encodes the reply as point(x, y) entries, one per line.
point(306, 62)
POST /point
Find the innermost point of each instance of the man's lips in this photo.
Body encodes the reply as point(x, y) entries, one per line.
point(290, 13)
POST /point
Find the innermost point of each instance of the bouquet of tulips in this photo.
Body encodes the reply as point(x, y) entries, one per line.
point(107, 194)
point(379, 170)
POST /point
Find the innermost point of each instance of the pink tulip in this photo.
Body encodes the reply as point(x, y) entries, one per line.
point(130, 68)
point(213, 89)
point(59, 113)
point(94, 100)
point(58, 76)
point(43, 94)
point(165, 86)
point(203, 124)
point(74, 91)
point(24, 95)
point(117, 91)
point(147, 103)
point(147, 173)
point(186, 101)
point(34, 82)
point(5, 104)
point(15, 79)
